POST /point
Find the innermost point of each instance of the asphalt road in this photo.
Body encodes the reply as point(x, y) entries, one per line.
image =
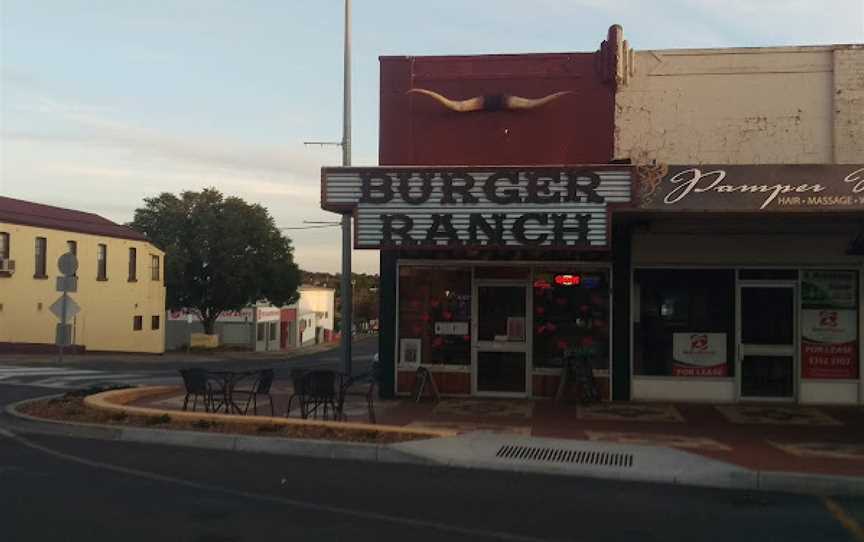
point(59, 488)
point(81, 373)
point(71, 489)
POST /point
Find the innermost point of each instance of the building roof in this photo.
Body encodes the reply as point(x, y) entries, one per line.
point(27, 213)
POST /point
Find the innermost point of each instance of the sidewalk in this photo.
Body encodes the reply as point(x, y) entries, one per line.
point(781, 438)
point(789, 438)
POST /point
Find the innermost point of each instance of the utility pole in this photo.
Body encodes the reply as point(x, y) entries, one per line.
point(347, 294)
point(347, 241)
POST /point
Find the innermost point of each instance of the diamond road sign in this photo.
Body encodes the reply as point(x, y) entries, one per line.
point(72, 309)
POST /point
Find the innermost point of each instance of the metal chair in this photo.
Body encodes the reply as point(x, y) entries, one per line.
point(372, 378)
point(261, 386)
point(197, 385)
point(315, 390)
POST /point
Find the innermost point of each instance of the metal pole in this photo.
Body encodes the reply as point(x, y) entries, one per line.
point(62, 333)
point(346, 290)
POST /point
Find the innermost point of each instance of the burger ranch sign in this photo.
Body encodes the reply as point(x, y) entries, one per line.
point(769, 188)
point(558, 207)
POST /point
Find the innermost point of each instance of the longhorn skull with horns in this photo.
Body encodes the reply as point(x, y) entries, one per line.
point(490, 102)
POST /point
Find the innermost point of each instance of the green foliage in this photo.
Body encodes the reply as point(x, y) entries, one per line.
point(222, 253)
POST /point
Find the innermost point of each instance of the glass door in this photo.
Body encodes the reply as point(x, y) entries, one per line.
point(501, 338)
point(767, 341)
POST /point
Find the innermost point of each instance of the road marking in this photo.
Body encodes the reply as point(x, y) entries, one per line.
point(70, 378)
point(303, 505)
point(847, 521)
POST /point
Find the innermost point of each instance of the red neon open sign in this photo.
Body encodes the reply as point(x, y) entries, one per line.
point(568, 280)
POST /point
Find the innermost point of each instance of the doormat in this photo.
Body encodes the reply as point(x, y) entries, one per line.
point(831, 450)
point(629, 413)
point(467, 427)
point(652, 439)
point(484, 407)
point(775, 415)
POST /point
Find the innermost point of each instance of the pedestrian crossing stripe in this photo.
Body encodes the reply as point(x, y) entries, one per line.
point(71, 378)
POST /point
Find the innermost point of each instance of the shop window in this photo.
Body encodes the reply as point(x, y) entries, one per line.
point(137, 323)
point(260, 331)
point(501, 272)
point(684, 322)
point(154, 322)
point(829, 324)
point(571, 315)
point(273, 331)
point(434, 315)
point(41, 258)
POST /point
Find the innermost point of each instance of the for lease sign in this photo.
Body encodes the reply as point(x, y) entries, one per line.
point(829, 324)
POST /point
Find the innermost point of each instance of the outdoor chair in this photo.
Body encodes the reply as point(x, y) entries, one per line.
point(315, 390)
point(298, 378)
point(368, 385)
point(261, 386)
point(197, 385)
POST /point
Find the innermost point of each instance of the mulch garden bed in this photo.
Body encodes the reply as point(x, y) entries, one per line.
point(71, 408)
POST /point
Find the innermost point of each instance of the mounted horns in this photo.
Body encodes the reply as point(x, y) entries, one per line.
point(490, 102)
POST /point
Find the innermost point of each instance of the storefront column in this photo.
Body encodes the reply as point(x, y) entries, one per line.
point(621, 251)
point(387, 323)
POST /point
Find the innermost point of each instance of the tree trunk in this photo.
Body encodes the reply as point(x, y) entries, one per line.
point(208, 320)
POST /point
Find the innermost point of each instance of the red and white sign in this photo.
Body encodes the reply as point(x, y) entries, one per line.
point(829, 343)
point(245, 315)
point(268, 314)
point(829, 324)
point(699, 354)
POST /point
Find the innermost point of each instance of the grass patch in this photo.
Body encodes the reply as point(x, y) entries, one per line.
point(71, 408)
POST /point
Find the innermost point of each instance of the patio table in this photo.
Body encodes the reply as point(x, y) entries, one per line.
point(229, 380)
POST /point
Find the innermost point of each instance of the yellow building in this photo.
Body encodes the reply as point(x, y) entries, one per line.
point(121, 287)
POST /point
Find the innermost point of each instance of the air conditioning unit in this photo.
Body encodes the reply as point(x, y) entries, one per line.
point(7, 266)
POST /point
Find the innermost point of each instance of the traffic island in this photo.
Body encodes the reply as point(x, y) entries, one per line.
point(114, 408)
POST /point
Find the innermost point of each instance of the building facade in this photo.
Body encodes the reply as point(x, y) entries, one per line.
point(121, 288)
point(690, 220)
point(310, 319)
point(252, 328)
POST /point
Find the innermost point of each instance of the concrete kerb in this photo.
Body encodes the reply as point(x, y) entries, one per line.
point(118, 401)
point(213, 441)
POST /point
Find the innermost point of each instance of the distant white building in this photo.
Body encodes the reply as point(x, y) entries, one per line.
point(310, 320)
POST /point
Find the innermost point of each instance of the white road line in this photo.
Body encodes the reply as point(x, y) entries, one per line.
point(49, 374)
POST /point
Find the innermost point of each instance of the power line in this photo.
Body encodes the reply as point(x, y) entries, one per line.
point(310, 227)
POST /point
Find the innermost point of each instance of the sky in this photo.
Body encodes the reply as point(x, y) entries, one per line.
point(105, 103)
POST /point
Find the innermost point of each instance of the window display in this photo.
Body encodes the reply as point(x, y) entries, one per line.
point(571, 315)
point(684, 322)
point(434, 315)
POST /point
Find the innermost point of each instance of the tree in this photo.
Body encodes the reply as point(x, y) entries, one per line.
point(221, 252)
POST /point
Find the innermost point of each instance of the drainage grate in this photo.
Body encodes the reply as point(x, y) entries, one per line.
point(558, 455)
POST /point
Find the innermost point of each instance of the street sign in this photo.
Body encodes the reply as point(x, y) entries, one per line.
point(67, 284)
point(68, 264)
point(64, 335)
point(72, 309)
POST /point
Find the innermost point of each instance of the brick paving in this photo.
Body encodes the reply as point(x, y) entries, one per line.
point(810, 439)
